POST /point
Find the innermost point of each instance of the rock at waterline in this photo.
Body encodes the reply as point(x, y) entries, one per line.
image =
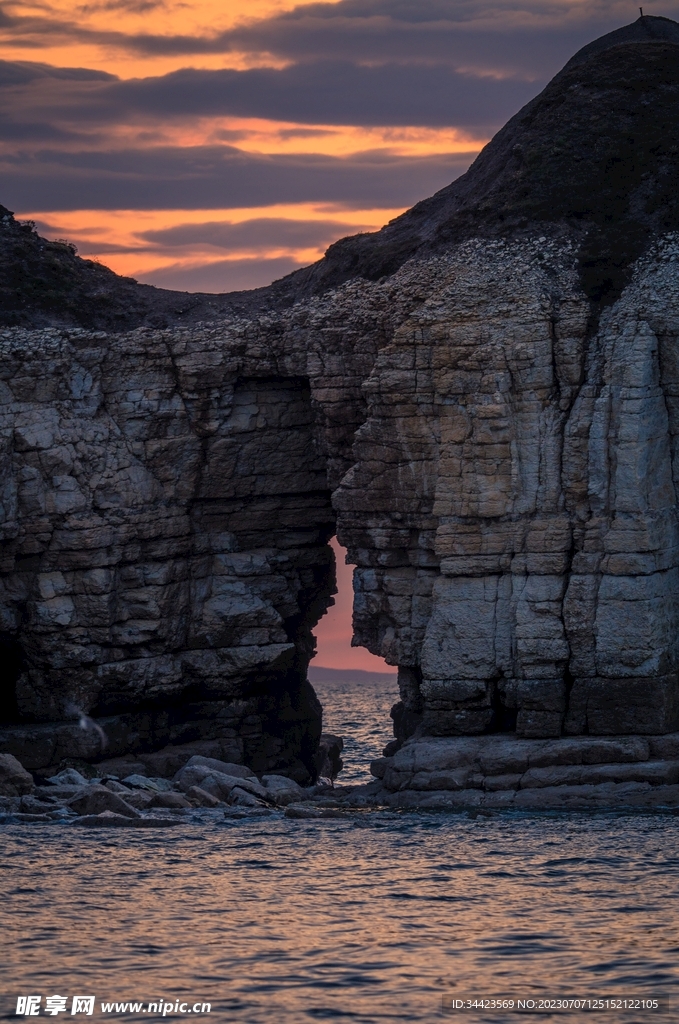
point(169, 800)
point(238, 771)
point(283, 790)
point(108, 819)
point(139, 798)
point(96, 799)
point(309, 811)
point(328, 759)
point(241, 798)
point(218, 783)
point(14, 779)
point(201, 797)
point(136, 781)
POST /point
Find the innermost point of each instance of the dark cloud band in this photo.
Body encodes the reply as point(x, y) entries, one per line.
point(262, 233)
point(320, 92)
point(328, 92)
point(217, 178)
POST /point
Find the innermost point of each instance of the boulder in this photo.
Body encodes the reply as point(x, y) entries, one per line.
point(109, 819)
point(309, 811)
point(31, 804)
point(201, 797)
point(170, 800)
point(136, 781)
point(283, 790)
point(328, 759)
point(14, 779)
point(217, 783)
point(238, 771)
point(96, 799)
point(139, 798)
point(116, 787)
point(241, 798)
point(302, 811)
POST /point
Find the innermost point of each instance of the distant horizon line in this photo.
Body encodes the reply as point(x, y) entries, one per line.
point(313, 669)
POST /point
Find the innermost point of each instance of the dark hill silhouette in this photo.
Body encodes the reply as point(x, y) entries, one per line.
point(595, 155)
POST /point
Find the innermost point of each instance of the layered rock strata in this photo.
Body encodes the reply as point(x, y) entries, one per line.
point(513, 507)
point(490, 429)
point(508, 773)
point(166, 513)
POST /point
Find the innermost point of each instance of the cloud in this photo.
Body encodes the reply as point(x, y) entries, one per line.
point(128, 6)
point(217, 177)
point(221, 276)
point(19, 72)
point(261, 233)
point(326, 92)
point(81, 139)
point(530, 40)
point(323, 92)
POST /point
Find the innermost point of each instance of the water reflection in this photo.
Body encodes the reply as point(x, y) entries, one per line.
point(373, 918)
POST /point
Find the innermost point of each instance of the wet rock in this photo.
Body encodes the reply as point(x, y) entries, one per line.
point(306, 810)
point(33, 805)
point(172, 800)
point(328, 760)
point(372, 794)
point(238, 771)
point(61, 793)
point(116, 787)
point(243, 798)
point(283, 790)
point(109, 819)
point(487, 770)
point(656, 773)
point(167, 761)
point(217, 783)
point(200, 796)
point(14, 779)
point(96, 799)
point(40, 817)
point(136, 781)
point(247, 813)
point(488, 756)
point(139, 798)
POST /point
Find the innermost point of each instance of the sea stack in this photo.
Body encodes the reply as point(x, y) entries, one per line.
point(481, 400)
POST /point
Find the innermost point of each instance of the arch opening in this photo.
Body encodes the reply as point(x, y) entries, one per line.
point(357, 689)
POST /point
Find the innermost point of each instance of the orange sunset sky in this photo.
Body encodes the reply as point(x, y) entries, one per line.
point(214, 145)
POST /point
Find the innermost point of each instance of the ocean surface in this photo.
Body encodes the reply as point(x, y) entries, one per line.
point(381, 916)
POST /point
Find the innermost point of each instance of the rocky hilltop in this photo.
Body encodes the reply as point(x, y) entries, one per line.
point(481, 400)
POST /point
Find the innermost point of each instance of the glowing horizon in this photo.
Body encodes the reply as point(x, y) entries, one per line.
point(333, 633)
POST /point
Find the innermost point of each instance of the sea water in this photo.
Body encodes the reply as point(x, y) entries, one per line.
point(381, 916)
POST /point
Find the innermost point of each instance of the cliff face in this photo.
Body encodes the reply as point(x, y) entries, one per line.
point(166, 513)
point(490, 429)
point(513, 505)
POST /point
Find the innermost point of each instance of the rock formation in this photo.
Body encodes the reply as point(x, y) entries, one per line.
point(482, 400)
